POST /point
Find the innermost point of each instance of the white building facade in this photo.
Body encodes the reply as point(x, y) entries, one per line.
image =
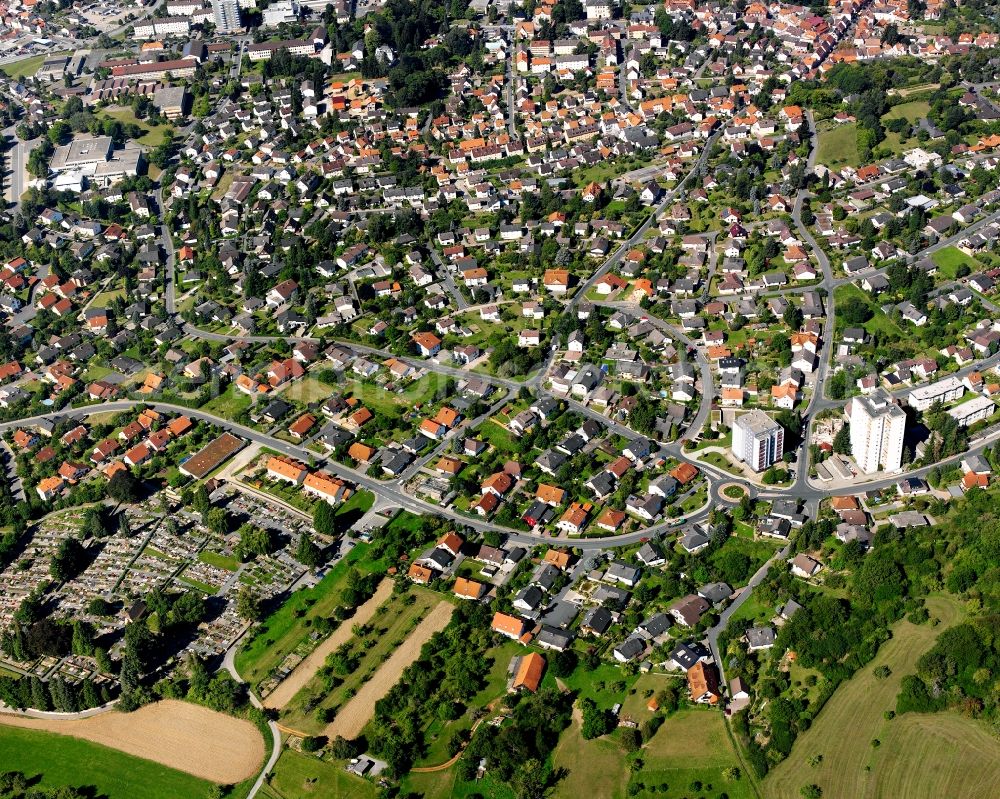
point(758, 440)
point(877, 428)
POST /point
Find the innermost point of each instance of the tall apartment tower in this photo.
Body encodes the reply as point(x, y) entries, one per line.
point(877, 427)
point(758, 440)
point(227, 15)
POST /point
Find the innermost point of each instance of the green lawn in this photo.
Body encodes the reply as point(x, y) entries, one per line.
point(607, 685)
point(838, 146)
point(229, 404)
point(720, 461)
point(289, 625)
point(58, 760)
point(911, 111)
point(97, 372)
point(497, 435)
point(105, 297)
point(152, 136)
point(218, 560)
point(296, 776)
point(359, 503)
point(692, 745)
point(26, 67)
point(949, 259)
point(592, 768)
point(307, 391)
point(391, 403)
point(878, 323)
point(447, 785)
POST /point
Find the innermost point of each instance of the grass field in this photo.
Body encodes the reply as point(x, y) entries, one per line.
point(296, 776)
point(219, 560)
point(391, 403)
point(593, 768)
point(26, 67)
point(290, 624)
point(152, 136)
point(606, 685)
point(948, 259)
point(446, 785)
point(59, 760)
point(911, 111)
point(307, 391)
point(358, 504)
point(105, 297)
point(838, 146)
point(920, 757)
point(391, 623)
point(229, 404)
point(496, 435)
point(692, 745)
point(878, 323)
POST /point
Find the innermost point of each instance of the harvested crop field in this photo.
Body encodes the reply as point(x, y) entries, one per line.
point(183, 736)
point(357, 712)
point(305, 671)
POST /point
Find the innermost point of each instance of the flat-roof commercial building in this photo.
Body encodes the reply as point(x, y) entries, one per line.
point(758, 440)
point(82, 151)
point(156, 70)
point(93, 157)
point(877, 427)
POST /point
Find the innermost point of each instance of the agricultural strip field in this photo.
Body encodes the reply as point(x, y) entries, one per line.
point(307, 669)
point(289, 625)
point(59, 760)
point(180, 735)
point(357, 660)
point(919, 757)
point(358, 711)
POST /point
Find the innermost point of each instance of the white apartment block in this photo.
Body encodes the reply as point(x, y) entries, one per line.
point(877, 428)
point(162, 27)
point(758, 440)
point(947, 390)
point(227, 15)
point(285, 11)
point(975, 410)
point(598, 9)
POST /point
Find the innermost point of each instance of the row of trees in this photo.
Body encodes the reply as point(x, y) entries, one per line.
point(54, 694)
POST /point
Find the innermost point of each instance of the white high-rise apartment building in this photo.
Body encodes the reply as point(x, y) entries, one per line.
point(227, 15)
point(877, 427)
point(758, 440)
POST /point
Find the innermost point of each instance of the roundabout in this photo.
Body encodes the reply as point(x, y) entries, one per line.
point(733, 492)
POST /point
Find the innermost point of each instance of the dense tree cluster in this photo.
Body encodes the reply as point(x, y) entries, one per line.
point(517, 752)
point(448, 674)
